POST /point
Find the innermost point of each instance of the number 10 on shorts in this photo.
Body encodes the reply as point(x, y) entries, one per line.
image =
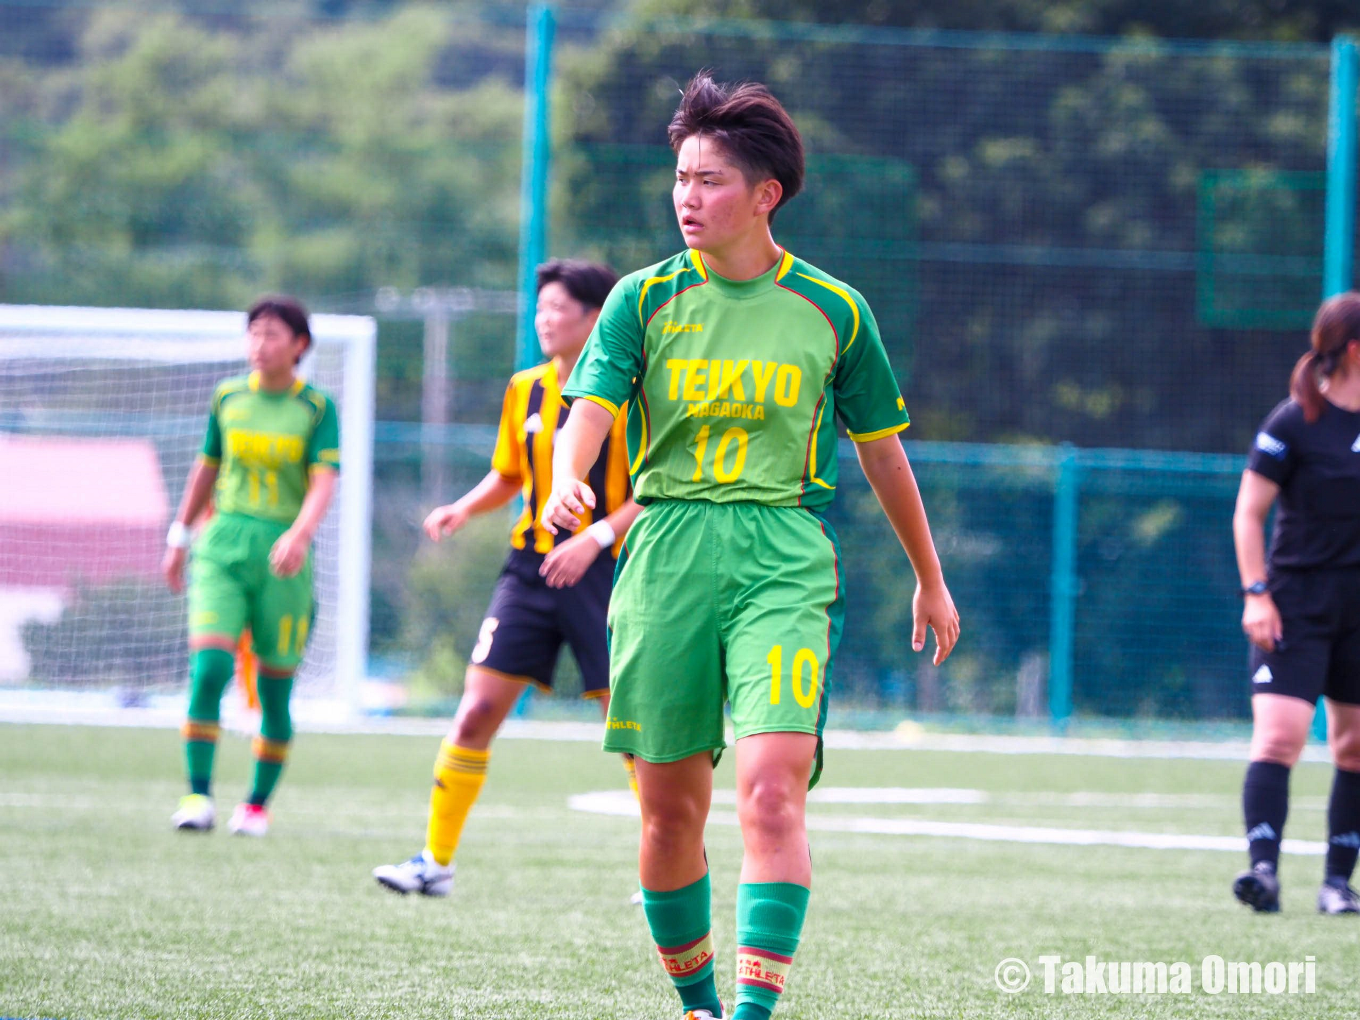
point(804, 678)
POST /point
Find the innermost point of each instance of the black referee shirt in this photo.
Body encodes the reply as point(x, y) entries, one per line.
point(1317, 468)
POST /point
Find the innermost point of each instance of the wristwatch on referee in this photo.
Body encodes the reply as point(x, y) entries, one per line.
point(1255, 588)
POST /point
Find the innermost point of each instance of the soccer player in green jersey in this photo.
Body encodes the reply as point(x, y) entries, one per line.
point(269, 463)
point(734, 358)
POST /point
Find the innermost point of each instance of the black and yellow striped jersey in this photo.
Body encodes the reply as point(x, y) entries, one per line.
point(532, 414)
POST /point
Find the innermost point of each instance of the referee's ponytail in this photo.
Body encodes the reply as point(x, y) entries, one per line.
point(1335, 327)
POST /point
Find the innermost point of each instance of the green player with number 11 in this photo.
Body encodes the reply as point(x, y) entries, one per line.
point(734, 358)
point(269, 463)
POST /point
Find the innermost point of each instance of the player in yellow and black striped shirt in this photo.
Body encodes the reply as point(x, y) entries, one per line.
point(553, 588)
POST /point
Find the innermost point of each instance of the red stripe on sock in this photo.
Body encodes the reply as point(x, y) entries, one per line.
point(767, 954)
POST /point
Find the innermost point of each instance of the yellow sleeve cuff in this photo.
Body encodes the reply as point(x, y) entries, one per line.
point(869, 437)
point(613, 409)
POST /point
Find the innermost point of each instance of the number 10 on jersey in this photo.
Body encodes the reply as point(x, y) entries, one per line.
point(804, 678)
point(721, 472)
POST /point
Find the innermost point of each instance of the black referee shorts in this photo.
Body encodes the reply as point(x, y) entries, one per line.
point(527, 622)
point(1320, 651)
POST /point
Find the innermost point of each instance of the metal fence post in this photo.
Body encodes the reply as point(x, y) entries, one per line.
point(1063, 585)
point(1337, 254)
point(537, 154)
point(1338, 244)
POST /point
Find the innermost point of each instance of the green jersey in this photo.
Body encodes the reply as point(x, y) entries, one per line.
point(264, 444)
point(733, 386)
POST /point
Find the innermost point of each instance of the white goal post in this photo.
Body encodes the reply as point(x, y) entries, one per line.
point(102, 412)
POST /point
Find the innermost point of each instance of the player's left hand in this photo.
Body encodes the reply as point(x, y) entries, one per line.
point(934, 607)
point(289, 553)
point(568, 562)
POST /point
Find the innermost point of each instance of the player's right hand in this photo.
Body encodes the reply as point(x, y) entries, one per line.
point(1261, 622)
point(565, 504)
point(172, 566)
point(444, 520)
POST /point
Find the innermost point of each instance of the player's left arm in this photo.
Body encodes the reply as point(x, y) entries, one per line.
point(323, 466)
point(870, 403)
point(568, 562)
point(290, 551)
point(885, 465)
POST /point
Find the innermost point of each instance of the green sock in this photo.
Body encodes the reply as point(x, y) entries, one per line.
point(769, 922)
point(270, 748)
point(210, 670)
point(681, 922)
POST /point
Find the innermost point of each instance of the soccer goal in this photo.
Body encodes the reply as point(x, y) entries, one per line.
point(102, 412)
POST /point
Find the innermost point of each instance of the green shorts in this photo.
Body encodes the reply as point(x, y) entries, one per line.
point(231, 587)
point(721, 602)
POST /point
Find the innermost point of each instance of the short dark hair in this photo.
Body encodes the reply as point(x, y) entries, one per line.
point(750, 125)
point(588, 282)
point(288, 310)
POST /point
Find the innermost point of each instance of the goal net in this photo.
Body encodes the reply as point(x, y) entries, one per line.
point(102, 413)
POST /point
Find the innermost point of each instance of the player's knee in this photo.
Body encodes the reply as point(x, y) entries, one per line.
point(211, 669)
point(1282, 750)
point(770, 807)
point(673, 831)
point(1346, 751)
point(476, 722)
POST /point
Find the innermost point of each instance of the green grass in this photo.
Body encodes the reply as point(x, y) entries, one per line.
point(105, 912)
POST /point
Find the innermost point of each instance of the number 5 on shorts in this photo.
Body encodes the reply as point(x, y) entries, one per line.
point(805, 660)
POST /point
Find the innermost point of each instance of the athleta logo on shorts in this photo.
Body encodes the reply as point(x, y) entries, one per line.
point(1262, 675)
point(1267, 443)
point(622, 724)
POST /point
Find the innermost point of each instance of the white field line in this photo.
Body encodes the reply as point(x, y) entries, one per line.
point(621, 803)
point(320, 716)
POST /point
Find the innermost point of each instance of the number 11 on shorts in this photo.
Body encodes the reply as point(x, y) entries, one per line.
point(804, 661)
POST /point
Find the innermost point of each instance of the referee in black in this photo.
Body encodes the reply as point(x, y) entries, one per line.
point(1302, 612)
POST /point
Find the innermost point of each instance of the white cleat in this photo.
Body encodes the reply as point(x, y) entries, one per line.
point(195, 814)
point(248, 820)
point(418, 875)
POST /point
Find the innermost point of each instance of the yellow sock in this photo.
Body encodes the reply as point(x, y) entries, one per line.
point(630, 767)
point(459, 773)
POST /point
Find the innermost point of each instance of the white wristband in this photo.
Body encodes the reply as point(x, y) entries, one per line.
point(178, 536)
point(603, 533)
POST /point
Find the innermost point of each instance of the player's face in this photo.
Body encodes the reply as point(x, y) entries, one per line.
point(715, 204)
point(272, 348)
point(563, 323)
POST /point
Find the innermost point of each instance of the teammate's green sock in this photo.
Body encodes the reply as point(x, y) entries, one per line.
point(681, 921)
point(769, 923)
point(270, 748)
point(210, 671)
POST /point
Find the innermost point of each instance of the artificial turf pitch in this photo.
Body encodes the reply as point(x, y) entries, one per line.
point(107, 913)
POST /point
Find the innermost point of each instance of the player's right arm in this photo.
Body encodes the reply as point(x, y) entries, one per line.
point(1270, 464)
point(197, 492)
point(604, 380)
point(491, 493)
point(578, 447)
point(1260, 617)
point(496, 489)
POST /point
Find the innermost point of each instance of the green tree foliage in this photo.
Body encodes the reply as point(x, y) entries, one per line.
point(177, 162)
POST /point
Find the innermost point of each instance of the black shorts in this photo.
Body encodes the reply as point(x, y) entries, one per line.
point(1320, 651)
point(527, 622)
